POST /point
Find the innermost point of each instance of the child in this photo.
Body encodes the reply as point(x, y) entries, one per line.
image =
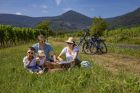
point(45, 65)
point(41, 59)
point(30, 61)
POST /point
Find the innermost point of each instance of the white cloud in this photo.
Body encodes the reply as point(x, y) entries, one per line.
point(18, 13)
point(58, 2)
point(67, 9)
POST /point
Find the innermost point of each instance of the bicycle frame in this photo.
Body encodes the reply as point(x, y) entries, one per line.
point(93, 41)
point(82, 38)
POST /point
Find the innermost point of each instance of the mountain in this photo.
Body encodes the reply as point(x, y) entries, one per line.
point(18, 20)
point(70, 20)
point(127, 20)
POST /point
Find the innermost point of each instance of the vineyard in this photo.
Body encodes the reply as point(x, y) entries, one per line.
point(13, 35)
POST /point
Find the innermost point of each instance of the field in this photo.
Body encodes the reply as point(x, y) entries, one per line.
point(110, 73)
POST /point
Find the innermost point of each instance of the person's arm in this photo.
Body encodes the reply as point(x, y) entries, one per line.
point(62, 52)
point(59, 57)
point(75, 56)
point(35, 46)
point(76, 50)
point(51, 53)
point(26, 63)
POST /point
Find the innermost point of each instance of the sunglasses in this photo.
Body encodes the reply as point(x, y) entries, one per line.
point(30, 53)
point(42, 41)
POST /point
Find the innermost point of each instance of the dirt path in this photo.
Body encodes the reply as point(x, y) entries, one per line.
point(115, 62)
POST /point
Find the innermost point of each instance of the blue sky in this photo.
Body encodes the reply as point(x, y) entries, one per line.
point(91, 8)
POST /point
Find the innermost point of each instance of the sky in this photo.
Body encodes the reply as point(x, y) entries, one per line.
point(91, 8)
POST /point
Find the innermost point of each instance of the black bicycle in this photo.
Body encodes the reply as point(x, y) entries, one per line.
point(92, 45)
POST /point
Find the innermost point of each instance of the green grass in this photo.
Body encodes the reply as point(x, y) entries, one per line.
point(123, 35)
point(15, 79)
point(123, 51)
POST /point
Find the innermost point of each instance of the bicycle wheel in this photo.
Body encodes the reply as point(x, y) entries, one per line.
point(86, 48)
point(93, 49)
point(102, 47)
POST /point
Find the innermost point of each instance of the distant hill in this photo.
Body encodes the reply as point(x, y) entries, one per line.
point(70, 20)
point(126, 20)
point(19, 20)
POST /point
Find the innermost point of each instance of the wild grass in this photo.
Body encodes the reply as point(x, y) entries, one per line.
point(15, 79)
point(123, 35)
point(113, 48)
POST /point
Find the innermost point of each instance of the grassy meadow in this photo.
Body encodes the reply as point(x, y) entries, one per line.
point(15, 79)
point(123, 35)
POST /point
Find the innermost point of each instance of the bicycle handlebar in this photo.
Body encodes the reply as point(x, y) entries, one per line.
point(86, 31)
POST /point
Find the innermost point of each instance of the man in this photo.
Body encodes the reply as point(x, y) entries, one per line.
point(42, 45)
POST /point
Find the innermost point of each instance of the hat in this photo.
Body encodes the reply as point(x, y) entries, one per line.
point(70, 40)
point(41, 53)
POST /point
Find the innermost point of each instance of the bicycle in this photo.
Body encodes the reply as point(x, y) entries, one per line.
point(95, 45)
point(92, 45)
point(83, 39)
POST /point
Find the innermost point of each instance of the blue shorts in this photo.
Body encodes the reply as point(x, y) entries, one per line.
point(33, 68)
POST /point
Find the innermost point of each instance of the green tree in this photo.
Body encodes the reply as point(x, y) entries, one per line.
point(98, 26)
point(44, 26)
point(79, 33)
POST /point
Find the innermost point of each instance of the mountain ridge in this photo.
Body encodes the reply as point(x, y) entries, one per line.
point(70, 20)
point(126, 20)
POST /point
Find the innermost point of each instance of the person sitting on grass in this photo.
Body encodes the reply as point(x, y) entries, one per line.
point(71, 53)
point(30, 61)
point(41, 59)
point(46, 47)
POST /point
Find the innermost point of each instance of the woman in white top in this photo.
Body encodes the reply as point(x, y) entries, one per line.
point(70, 52)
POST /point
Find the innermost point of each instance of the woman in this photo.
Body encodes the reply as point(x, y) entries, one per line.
point(71, 53)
